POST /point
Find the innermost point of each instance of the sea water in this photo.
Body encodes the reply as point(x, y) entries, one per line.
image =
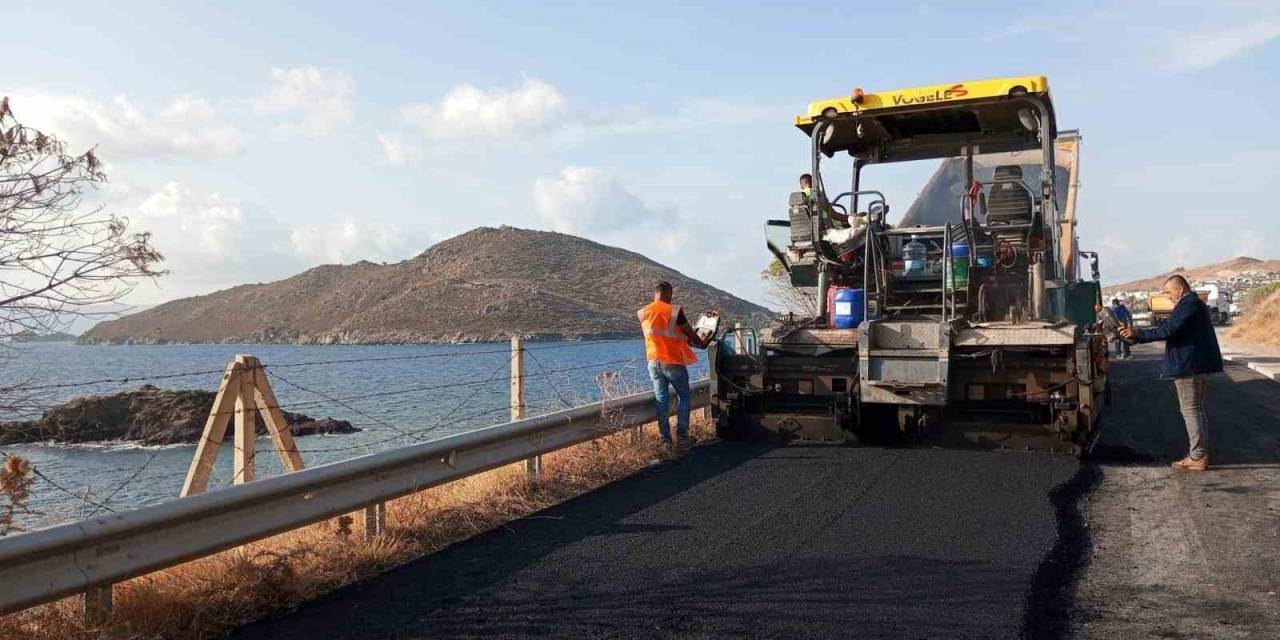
point(409, 407)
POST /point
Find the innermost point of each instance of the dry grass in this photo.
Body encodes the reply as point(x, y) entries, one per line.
point(1262, 324)
point(208, 597)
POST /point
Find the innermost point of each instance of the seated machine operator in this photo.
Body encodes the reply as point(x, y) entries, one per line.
point(839, 229)
point(831, 218)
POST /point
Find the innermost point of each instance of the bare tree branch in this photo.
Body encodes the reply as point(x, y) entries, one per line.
point(779, 292)
point(57, 260)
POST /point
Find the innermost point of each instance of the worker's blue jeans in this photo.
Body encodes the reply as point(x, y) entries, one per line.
point(665, 376)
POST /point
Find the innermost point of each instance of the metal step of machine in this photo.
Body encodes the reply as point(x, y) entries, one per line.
point(904, 362)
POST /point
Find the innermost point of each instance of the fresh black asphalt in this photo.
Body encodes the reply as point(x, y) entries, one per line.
point(737, 540)
point(1145, 424)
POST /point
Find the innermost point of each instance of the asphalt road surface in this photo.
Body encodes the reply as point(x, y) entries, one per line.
point(739, 540)
point(1175, 554)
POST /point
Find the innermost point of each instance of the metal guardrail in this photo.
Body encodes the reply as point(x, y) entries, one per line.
point(48, 564)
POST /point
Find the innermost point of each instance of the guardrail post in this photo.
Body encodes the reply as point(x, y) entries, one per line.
point(97, 604)
point(375, 520)
point(532, 466)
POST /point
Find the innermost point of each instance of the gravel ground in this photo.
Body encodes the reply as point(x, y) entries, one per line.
point(1184, 555)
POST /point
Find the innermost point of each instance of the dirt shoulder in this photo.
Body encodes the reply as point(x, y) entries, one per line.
point(1184, 555)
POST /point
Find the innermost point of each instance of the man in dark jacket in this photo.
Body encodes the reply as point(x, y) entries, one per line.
point(1190, 355)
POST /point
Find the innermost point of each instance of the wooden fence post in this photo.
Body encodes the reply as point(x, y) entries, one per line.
point(273, 417)
point(245, 393)
point(215, 428)
point(246, 421)
point(532, 466)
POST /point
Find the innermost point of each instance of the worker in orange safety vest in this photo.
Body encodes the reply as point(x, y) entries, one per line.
point(667, 336)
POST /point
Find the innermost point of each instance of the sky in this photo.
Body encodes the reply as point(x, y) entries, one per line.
point(256, 140)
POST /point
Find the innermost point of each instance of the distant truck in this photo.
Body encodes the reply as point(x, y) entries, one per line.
point(1218, 301)
point(1162, 307)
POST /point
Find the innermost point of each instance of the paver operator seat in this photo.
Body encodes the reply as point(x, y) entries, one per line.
point(1010, 200)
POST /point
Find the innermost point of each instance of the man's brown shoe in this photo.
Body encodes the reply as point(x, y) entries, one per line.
point(1192, 464)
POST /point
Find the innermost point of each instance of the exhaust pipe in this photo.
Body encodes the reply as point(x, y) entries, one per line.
point(822, 292)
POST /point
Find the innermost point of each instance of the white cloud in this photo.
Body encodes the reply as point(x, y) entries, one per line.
point(537, 109)
point(309, 100)
point(594, 204)
point(1203, 49)
point(349, 240)
point(589, 202)
point(185, 126)
point(466, 110)
point(212, 241)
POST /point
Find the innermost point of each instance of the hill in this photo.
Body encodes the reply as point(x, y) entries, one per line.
point(1222, 271)
point(32, 336)
point(484, 285)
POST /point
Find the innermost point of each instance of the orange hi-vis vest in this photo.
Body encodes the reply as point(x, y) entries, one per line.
point(663, 341)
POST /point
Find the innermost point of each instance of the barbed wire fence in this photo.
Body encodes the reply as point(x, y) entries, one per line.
point(550, 388)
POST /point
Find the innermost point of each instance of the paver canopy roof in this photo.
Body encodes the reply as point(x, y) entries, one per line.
point(931, 122)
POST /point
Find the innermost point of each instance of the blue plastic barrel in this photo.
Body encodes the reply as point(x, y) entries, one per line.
point(959, 250)
point(847, 311)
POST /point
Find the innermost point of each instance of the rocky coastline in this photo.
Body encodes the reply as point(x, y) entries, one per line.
point(148, 416)
point(363, 338)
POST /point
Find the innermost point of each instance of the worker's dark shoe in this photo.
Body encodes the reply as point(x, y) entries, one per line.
point(1192, 464)
point(688, 442)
